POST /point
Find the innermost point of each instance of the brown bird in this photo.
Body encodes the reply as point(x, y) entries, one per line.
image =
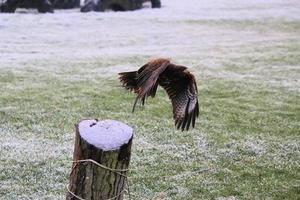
point(178, 82)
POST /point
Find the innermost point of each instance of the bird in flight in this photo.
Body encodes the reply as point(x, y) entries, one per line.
point(178, 82)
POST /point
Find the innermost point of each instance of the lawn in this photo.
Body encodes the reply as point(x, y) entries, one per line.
point(246, 143)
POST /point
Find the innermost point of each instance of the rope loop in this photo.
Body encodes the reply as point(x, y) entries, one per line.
point(117, 171)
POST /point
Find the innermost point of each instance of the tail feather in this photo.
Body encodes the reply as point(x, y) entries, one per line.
point(129, 80)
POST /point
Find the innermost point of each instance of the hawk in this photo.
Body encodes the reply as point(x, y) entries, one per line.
point(178, 82)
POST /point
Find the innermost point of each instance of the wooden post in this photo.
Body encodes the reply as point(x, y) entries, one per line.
point(100, 160)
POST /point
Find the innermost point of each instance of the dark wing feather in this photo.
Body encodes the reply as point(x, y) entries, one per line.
point(147, 79)
point(176, 80)
point(182, 90)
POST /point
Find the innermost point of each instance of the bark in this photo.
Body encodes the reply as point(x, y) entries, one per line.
point(108, 143)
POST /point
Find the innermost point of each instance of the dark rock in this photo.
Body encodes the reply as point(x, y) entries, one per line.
point(89, 5)
point(116, 5)
point(155, 3)
point(10, 6)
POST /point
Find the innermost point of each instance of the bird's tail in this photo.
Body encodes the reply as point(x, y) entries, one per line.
point(129, 80)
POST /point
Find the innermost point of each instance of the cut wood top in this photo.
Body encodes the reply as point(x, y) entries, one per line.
point(107, 135)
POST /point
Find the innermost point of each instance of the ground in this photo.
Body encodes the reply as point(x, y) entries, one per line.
point(56, 69)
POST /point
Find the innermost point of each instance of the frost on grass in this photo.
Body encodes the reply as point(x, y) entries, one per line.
point(250, 146)
point(29, 146)
point(53, 66)
point(213, 34)
point(227, 198)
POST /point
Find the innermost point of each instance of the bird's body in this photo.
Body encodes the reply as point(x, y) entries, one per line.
point(178, 82)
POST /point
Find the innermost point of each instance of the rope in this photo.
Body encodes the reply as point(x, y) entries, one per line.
point(74, 195)
point(117, 171)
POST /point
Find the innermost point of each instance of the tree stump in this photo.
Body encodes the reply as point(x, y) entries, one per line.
point(100, 161)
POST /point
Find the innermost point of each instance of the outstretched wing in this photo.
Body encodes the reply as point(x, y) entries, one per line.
point(182, 90)
point(147, 79)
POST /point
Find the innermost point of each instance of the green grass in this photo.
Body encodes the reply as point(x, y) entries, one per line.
point(246, 143)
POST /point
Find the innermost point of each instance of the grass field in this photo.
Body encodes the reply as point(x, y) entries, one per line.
point(58, 69)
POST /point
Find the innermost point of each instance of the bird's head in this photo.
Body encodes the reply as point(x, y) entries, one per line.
point(187, 72)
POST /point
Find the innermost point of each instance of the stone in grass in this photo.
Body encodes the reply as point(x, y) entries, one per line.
point(108, 143)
